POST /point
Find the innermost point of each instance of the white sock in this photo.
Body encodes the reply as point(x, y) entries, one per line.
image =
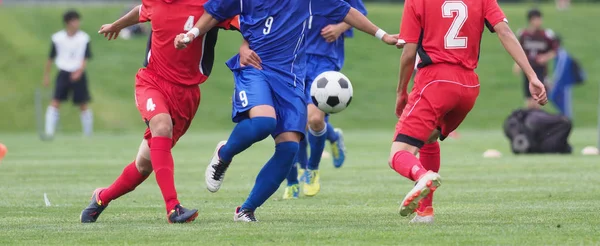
point(52, 116)
point(87, 122)
point(317, 133)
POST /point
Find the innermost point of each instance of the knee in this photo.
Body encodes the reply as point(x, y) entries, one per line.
point(144, 166)
point(83, 107)
point(316, 122)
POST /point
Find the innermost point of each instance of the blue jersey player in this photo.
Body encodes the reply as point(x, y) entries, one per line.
point(271, 100)
point(325, 52)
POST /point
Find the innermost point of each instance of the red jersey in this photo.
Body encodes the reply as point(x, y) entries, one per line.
point(448, 31)
point(170, 18)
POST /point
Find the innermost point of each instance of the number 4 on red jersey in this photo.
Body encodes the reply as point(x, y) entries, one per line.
point(448, 31)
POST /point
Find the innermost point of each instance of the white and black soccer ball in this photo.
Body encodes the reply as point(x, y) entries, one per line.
point(331, 92)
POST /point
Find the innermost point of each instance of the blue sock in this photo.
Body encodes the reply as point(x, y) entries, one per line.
point(292, 177)
point(272, 174)
point(302, 157)
point(246, 133)
point(332, 136)
point(316, 141)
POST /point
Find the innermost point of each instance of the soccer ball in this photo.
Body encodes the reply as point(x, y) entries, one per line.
point(331, 92)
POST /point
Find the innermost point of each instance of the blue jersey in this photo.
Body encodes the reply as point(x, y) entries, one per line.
point(276, 29)
point(316, 44)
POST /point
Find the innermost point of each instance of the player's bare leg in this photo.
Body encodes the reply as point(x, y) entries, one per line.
point(133, 175)
point(52, 117)
point(270, 176)
point(404, 161)
point(261, 122)
point(317, 136)
point(87, 119)
point(161, 127)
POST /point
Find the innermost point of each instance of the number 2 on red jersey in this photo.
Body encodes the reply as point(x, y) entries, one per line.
point(458, 11)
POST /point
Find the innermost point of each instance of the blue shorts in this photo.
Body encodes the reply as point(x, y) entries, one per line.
point(255, 87)
point(316, 65)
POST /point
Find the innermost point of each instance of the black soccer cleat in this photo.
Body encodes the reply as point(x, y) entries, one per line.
point(93, 211)
point(182, 215)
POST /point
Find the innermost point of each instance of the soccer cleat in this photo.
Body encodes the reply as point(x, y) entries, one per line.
point(215, 171)
point(338, 149)
point(244, 215)
point(312, 185)
point(91, 213)
point(429, 182)
point(423, 217)
point(182, 215)
point(291, 191)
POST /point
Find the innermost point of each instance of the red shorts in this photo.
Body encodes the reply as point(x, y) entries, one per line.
point(154, 95)
point(441, 98)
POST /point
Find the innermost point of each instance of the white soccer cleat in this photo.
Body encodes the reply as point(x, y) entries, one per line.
point(423, 217)
point(429, 182)
point(244, 215)
point(215, 171)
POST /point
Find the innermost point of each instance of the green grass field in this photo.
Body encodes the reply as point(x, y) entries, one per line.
point(523, 200)
point(373, 68)
point(513, 200)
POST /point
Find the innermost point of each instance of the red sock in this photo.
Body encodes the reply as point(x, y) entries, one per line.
point(129, 179)
point(407, 165)
point(429, 155)
point(162, 163)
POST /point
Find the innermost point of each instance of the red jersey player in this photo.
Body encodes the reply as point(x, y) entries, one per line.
point(446, 34)
point(167, 95)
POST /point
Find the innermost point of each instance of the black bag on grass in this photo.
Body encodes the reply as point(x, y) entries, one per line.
point(535, 131)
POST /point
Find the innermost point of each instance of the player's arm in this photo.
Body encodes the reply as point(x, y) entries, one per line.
point(111, 31)
point(215, 11)
point(513, 47)
point(362, 23)
point(407, 67)
point(332, 32)
point(48, 66)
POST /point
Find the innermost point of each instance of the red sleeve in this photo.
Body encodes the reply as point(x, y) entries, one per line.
point(493, 13)
point(145, 11)
point(410, 28)
point(231, 23)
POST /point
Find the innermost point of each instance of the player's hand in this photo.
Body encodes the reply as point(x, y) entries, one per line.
point(110, 31)
point(331, 32)
point(249, 58)
point(390, 39)
point(401, 101)
point(46, 81)
point(76, 76)
point(538, 90)
point(182, 40)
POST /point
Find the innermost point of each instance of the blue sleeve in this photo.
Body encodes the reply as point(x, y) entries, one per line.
point(335, 10)
point(223, 9)
point(358, 5)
